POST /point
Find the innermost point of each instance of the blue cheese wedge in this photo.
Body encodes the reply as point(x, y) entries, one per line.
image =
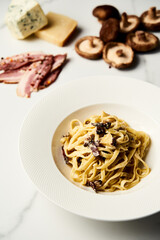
point(25, 17)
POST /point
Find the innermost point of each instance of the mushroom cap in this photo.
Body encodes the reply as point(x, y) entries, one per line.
point(142, 41)
point(118, 54)
point(129, 23)
point(109, 30)
point(90, 47)
point(151, 19)
point(104, 12)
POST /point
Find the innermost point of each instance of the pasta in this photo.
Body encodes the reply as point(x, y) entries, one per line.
point(105, 153)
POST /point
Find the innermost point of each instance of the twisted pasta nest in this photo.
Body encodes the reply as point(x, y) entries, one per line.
point(105, 153)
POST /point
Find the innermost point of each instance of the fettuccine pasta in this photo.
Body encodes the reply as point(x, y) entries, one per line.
point(105, 153)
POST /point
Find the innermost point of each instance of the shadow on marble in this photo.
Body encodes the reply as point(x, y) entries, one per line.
point(144, 228)
point(155, 51)
point(31, 38)
point(74, 36)
point(138, 58)
point(134, 65)
point(71, 39)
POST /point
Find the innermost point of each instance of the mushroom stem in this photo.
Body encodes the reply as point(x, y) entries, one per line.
point(141, 36)
point(125, 20)
point(152, 13)
point(120, 53)
point(91, 43)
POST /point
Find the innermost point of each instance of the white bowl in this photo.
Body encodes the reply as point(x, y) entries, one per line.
point(40, 148)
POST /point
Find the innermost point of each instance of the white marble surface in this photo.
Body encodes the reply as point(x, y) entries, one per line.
point(25, 213)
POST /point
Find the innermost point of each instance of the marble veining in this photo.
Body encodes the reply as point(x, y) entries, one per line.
point(20, 218)
point(47, 1)
point(2, 25)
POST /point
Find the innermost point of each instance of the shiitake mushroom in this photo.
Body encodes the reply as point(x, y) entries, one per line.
point(89, 47)
point(109, 30)
point(142, 41)
point(129, 23)
point(116, 28)
point(104, 12)
point(118, 55)
point(151, 19)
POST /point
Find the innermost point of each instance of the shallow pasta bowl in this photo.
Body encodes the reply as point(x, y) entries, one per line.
point(48, 120)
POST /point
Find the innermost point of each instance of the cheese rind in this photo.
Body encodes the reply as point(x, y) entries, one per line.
point(25, 17)
point(58, 30)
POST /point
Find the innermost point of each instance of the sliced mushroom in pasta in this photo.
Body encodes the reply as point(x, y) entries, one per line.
point(105, 153)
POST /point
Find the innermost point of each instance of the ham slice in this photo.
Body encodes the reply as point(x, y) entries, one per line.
point(13, 76)
point(20, 60)
point(50, 79)
point(33, 76)
point(32, 71)
point(59, 60)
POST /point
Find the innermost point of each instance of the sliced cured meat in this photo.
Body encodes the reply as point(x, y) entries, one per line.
point(55, 70)
point(33, 76)
point(32, 71)
point(13, 76)
point(51, 77)
point(58, 61)
point(20, 60)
